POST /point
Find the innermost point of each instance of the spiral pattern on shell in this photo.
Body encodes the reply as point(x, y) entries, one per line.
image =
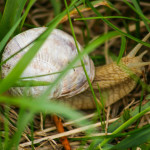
point(57, 51)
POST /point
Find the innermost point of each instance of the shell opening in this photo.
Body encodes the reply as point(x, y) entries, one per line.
point(138, 46)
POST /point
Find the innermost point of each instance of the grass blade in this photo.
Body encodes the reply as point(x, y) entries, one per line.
point(122, 49)
point(31, 2)
point(125, 125)
point(115, 28)
point(24, 118)
point(135, 139)
point(8, 35)
point(138, 10)
point(44, 106)
point(57, 6)
point(107, 17)
point(12, 13)
point(83, 65)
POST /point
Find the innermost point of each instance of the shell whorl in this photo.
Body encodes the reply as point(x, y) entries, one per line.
point(57, 51)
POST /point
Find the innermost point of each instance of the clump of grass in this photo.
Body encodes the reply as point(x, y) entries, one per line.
point(122, 131)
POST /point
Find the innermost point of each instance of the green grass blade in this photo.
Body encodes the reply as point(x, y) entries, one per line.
point(23, 119)
point(115, 28)
point(122, 49)
point(135, 139)
point(83, 65)
point(94, 144)
point(0, 16)
point(31, 2)
point(120, 121)
point(136, 4)
point(138, 10)
point(30, 83)
point(134, 9)
point(86, 39)
point(71, 6)
point(12, 30)
point(12, 13)
point(8, 35)
point(140, 105)
point(32, 134)
point(125, 125)
point(120, 14)
point(108, 17)
point(138, 24)
point(44, 106)
point(57, 6)
point(6, 126)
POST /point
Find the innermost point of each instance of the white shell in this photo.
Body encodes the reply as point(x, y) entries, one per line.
point(58, 50)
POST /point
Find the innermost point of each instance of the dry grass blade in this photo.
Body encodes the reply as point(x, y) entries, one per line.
point(64, 124)
point(82, 8)
point(81, 129)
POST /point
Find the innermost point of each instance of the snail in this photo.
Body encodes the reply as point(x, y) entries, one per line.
point(59, 50)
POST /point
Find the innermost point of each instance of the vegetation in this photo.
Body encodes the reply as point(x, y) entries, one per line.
point(25, 121)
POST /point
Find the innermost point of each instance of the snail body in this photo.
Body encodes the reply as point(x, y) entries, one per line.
point(59, 50)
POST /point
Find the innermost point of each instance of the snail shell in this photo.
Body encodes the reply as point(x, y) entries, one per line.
point(57, 51)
